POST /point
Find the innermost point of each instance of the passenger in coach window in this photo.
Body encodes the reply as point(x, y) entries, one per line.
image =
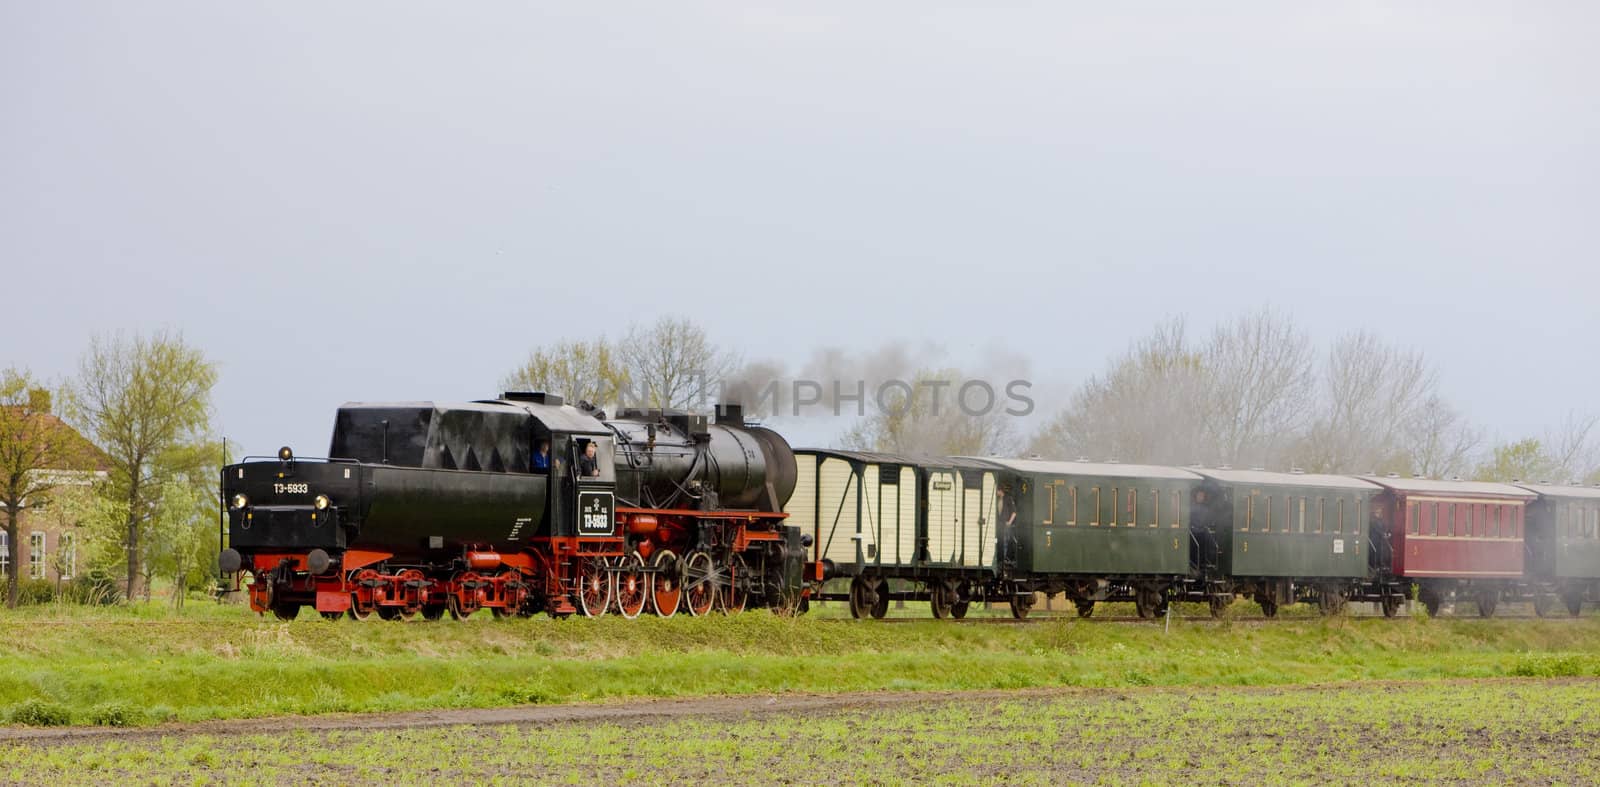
point(588, 467)
point(541, 457)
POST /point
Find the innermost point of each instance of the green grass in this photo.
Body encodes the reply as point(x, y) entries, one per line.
point(1497, 732)
point(132, 666)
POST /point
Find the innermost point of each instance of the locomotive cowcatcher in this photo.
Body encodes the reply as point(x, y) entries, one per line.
point(519, 504)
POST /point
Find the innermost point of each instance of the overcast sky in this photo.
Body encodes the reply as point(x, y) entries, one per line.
point(370, 201)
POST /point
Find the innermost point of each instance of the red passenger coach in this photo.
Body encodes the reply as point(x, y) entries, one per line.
point(1455, 538)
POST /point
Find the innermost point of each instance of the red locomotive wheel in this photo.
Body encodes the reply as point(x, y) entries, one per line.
point(665, 588)
point(594, 587)
point(737, 595)
point(515, 596)
point(633, 587)
point(701, 578)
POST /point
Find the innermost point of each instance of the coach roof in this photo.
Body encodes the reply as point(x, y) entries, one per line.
point(1433, 486)
point(1110, 469)
point(1266, 478)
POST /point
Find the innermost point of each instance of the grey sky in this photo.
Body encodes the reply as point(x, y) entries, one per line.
point(395, 201)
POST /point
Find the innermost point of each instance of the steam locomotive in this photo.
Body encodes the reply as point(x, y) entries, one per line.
point(520, 504)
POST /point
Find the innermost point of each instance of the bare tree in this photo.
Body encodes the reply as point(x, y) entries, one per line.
point(1258, 372)
point(1442, 441)
point(588, 371)
point(929, 417)
point(32, 444)
point(674, 364)
point(1371, 409)
point(146, 402)
point(1146, 407)
point(1572, 447)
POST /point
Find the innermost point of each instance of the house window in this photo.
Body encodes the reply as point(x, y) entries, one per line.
point(36, 555)
point(68, 545)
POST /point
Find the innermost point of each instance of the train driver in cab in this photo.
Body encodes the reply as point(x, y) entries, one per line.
point(541, 457)
point(588, 466)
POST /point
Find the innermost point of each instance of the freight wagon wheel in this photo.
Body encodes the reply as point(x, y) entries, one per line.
point(737, 594)
point(880, 606)
point(700, 579)
point(594, 587)
point(940, 598)
point(633, 587)
point(1431, 603)
point(860, 598)
point(1085, 607)
point(1574, 604)
point(666, 590)
point(961, 601)
point(286, 611)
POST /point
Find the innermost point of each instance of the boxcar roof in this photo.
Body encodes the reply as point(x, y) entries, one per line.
point(877, 457)
point(1112, 469)
point(1563, 490)
point(1266, 477)
point(1436, 486)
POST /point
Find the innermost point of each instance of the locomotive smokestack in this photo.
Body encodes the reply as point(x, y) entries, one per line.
point(730, 413)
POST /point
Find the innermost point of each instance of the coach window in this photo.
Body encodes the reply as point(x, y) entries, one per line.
point(1338, 524)
point(1267, 504)
point(1433, 519)
point(1116, 500)
point(1249, 512)
point(1094, 513)
point(1072, 505)
point(1155, 508)
point(1133, 508)
point(1177, 508)
point(1414, 518)
point(1355, 517)
point(1050, 516)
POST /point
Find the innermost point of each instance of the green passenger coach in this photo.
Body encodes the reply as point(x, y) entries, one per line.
point(1100, 531)
point(1281, 537)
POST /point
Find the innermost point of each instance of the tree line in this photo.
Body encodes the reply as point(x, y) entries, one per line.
point(1254, 391)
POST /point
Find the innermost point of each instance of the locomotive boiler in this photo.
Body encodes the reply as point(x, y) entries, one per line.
point(518, 504)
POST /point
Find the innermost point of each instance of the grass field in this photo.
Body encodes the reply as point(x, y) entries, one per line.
point(1532, 731)
point(140, 665)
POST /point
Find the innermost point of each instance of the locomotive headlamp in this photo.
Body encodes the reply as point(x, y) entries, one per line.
point(284, 454)
point(240, 501)
point(320, 501)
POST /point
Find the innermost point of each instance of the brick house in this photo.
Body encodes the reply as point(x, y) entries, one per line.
point(48, 540)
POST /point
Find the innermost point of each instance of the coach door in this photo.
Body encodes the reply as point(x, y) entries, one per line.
point(977, 517)
point(944, 517)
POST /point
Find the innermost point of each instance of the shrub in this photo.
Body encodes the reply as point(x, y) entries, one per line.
point(35, 591)
point(113, 715)
point(39, 713)
point(94, 588)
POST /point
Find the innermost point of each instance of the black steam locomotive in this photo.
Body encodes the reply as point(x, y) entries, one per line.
point(519, 504)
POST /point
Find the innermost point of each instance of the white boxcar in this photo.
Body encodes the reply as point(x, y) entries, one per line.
point(887, 511)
